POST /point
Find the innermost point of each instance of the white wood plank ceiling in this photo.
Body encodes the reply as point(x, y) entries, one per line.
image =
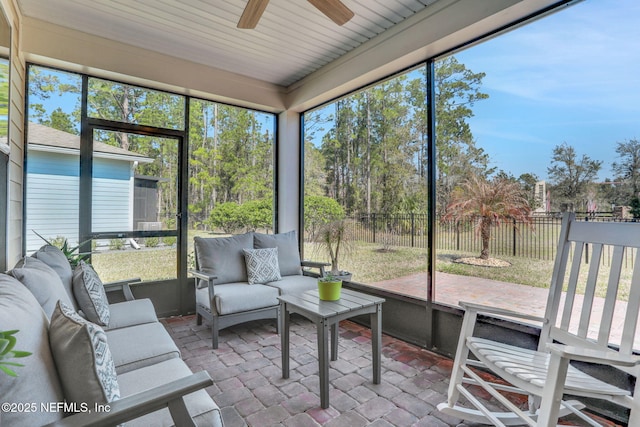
point(292, 39)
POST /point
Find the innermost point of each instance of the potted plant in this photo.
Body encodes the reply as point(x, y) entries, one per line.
point(329, 287)
point(72, 253)
point(335, 238)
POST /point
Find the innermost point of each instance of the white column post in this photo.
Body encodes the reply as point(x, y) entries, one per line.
point(289, 152)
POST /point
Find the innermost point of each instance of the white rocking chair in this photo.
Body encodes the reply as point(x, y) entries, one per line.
point(571, 330)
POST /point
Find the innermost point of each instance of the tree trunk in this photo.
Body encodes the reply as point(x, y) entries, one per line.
point(485, 234)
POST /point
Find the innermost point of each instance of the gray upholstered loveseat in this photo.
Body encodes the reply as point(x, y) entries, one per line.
point(129, 365)
point(241, 277)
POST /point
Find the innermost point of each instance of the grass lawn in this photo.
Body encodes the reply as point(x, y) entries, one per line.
point(368, 263)
point(525, 271)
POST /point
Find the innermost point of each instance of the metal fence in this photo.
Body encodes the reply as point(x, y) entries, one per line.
point(537, 240)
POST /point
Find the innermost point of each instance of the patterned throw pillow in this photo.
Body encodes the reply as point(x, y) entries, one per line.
point(262, 265)
point(90, 294)
point(82, 358)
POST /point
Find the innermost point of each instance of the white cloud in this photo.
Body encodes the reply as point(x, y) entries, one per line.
point(588, 53)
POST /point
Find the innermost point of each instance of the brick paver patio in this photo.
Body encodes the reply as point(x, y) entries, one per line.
point(249, 388)
point(452, 288)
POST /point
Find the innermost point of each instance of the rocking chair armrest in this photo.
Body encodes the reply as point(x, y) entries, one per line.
point(485, 309)
point(136, 405)
point(124, 286)
point(593, 356)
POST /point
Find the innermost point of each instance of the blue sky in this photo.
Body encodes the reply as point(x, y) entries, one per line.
point(572, 77)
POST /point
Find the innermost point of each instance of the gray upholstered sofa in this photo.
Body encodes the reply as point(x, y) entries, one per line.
point(130, 364)
point(241, 277)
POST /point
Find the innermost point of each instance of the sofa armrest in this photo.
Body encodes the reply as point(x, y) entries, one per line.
point(209, 278)
point(128, 408)
point(315, 264)
point(202, 275)
point(124, 286)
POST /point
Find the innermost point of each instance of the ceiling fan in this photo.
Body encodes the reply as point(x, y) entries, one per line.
point(333, 9)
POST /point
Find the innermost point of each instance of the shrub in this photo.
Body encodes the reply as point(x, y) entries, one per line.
point(151, 242)
point(257, 214)
point(169, 240)
point(116, 244)
point(226, 216)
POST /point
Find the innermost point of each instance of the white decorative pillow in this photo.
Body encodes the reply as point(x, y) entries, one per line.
point(262, 265)
point(90, 294)
point(83, 359)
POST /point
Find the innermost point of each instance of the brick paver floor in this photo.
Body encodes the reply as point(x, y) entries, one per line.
point(248, 384)
point(452, 288)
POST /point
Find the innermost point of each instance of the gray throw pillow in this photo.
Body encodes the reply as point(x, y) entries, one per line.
point(90, 294)
point(262, 265)
point(57, 260)
point(43, 282)
point(223, 257)
point(288, 253)
point(83, 359)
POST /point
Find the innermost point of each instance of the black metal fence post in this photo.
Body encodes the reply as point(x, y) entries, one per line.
point(514, 236)
point(374, 227)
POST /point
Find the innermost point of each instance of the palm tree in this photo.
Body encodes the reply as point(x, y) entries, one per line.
point(488, 203)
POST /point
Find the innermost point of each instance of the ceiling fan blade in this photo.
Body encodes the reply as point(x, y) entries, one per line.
point(334, 9)
point(252, 13)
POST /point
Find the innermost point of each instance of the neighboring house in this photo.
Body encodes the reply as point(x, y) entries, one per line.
point(54, 162)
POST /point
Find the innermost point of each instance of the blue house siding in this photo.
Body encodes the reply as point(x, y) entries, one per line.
point(53, 197)
point(46, 163)
point(112, 195)
point(53, 202)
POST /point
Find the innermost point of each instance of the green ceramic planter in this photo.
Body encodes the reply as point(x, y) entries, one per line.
point(329, 290)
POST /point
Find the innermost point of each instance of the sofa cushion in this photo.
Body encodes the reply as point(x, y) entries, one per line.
point(223, 257)
point(57, 260)
point(200, 406)
point(238, 297)
point(90, 294)
point(262, 265)
point(131, 313)
point(294, 284)
point(43, 282)
point(82, 356)
point(37, 381)
point(288, 253)
point(141, 345)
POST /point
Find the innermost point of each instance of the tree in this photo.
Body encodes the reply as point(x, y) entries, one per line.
point(231, 155)
point(319, 210)
point(635, 207)
point(627, 169)
point(488, 203)
point(528, 182)
point(60, 120)
point(458, 158)
point(571, 175)
point(4, 97)
point(314, 172)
